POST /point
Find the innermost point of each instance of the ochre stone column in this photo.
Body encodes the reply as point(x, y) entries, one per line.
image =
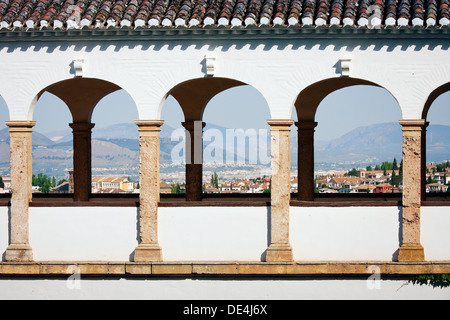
point(82, 160)
point(148, 249)
point(306, 131)
point(410, 248)
point(19, 248)
point(280, 249)
point(194, 160)
point(424, 160)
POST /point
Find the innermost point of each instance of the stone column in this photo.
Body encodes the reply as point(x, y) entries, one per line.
point(82, 160)
point(306, 131)
point(410, 247)
point(19, 248)
point(424, 160)
point(148, 249)
point(280, 249)
point(194, 160)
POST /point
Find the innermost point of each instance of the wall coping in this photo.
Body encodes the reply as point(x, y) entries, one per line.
point(224, 33)
point(223, 268)
point(240, 200)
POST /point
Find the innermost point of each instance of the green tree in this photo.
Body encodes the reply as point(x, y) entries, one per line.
point(43, 182)
point(396, 180)
point(352, 173)
point(394, 165)
point(387, 166)
point(215, 180)
point(2, 185)
point(369, 168)
point(176, 188)
point(430, 180)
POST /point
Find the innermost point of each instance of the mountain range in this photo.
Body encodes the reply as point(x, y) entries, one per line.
point(115, 149)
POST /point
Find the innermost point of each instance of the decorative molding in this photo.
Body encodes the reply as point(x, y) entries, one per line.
point(345, 67)
point(78, 66)
point(210, 62)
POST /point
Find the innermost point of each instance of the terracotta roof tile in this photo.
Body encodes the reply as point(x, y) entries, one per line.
point(73, 14)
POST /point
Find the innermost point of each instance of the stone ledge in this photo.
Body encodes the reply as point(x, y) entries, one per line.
point(236, 269)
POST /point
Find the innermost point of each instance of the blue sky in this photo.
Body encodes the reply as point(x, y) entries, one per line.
point(244, 107)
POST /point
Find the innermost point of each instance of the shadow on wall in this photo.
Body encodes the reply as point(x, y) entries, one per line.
point(9, 232)
point(138, 230)
point(251, 42)
point(400, 227)
point(269, 228)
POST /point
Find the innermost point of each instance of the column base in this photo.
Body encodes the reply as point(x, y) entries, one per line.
point(411, 252)
point(148, 253)
point(19, 253)
point(279, 253)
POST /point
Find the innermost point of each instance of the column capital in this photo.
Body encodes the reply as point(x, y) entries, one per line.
point(149, 125)
point(190, 125)
point(81, 126)
point(280, 124)
point(413, 124)
point(306, 125)
point(20, 126)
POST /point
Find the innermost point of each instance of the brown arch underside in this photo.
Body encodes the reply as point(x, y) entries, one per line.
point(432, 97)
point(81, 95)
point(194, 95)
point(309, 99)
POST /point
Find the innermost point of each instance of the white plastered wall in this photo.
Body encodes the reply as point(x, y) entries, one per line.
point(83, 234)
point(228, 233)
point(278, 70)
point(435, 235)
point(344, 233)
point(213, 233)
point(4, 229)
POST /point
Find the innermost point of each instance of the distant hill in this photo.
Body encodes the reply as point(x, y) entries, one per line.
point(38, 139)
point(375, 143)
point(381, 142)
point(438, 143)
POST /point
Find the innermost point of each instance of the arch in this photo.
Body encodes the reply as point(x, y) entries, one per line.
point(307, 104)
point(432, 97)
point(117, 105)
point(309, 99)
point(193, 95)
point(81, 95)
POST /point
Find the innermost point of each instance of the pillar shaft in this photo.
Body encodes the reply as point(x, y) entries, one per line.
point(194, 160)
point(82, 160)
point(148, 249)
point(280, 248)
point(306, 131)
point(19, 248)
point(424, 160)
point(410, 248)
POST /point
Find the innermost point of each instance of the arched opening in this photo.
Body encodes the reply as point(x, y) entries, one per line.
point(173, 149)
point(115, 145)
point(52, 146)
point(436, 146)
point(213, 108)
point(80, 96)
point(4, 148)
point(349, 139)
point(237, 143)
